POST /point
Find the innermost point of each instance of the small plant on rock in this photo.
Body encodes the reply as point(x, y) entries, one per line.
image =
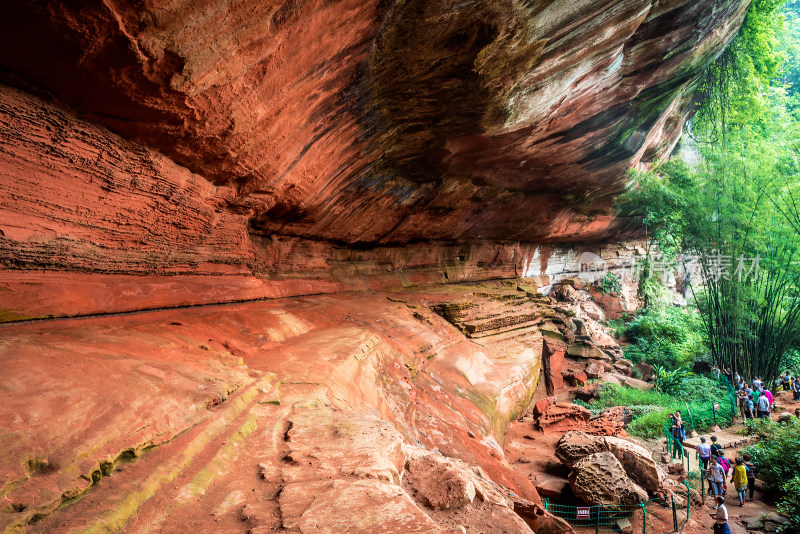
point(610, 283)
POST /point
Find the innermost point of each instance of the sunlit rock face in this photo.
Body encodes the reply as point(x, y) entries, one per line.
point(244, 141)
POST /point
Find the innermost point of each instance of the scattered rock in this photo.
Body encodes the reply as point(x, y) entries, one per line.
point(565, 293)
point(595, 369)
point(605, 341)
point(621, 413)
point(645, 369)
point(607, 423)
point(773, 521)
point(577, 283)
point(623, 369)
point(440, 482)
point(785, 417)
point(575, 378)
point(593, 311)
point(588, 392)
point(559, 417)
point(675, 468)
point(600, 479)
point(552, 487)
point(752, 523)
point(586, 351)
point(577, 326)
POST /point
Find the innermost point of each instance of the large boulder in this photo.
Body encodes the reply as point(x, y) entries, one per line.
point(575, 446)
point(600, 478)
point(637, 461)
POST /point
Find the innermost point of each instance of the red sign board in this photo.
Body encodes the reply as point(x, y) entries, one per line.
point(583, 513)
point(716, 406)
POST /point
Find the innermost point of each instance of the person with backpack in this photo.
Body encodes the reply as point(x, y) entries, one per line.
point(739, 480)
point(715, 447)
point(741, 399)
point(715, 476)
point(750, 406)
point(751, 474)
point(769, 396)
point(680, 425)
point(786, 381)
point(675, 431)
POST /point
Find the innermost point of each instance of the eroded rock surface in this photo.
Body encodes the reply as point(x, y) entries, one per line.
point(601, 479)
point(283, 414)
point(283, 148)
point(636, 460)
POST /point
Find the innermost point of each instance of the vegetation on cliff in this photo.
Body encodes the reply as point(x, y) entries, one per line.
point(726, 212)
point(729, 204)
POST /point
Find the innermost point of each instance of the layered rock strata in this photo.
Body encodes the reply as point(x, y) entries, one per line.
point(270, 149)
point(285, 413)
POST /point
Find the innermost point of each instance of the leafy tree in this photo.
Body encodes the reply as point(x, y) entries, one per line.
point(734, 214)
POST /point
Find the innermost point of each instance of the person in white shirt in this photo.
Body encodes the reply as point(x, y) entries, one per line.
point(763, 406)
point(704, 452)
point(721, 517)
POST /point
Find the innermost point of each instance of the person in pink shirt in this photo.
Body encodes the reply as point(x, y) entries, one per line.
point(769, 396)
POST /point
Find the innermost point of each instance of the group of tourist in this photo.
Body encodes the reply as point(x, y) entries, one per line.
point(716, 468)
point(754, 398)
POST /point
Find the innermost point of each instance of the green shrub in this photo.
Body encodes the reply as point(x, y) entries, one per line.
point(667, 336)
point(651, 409)
point(644, 409)
point(669, 381)
point(789, 505)
point(777, 457)
point(650, 425)
point(610, 283)
point(614, 395)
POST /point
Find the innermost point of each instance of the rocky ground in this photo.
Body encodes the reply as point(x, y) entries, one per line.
point(343, 413)
point(438, 409)
point(534, 451)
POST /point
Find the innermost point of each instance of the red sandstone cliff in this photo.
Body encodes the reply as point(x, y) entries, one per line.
point(232, 151)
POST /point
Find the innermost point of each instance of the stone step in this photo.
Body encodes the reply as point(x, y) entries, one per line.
point(110, 506)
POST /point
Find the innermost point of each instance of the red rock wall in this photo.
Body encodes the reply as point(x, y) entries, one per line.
point(267, 149)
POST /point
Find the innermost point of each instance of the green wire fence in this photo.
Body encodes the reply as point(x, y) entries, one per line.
point(663, 516)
